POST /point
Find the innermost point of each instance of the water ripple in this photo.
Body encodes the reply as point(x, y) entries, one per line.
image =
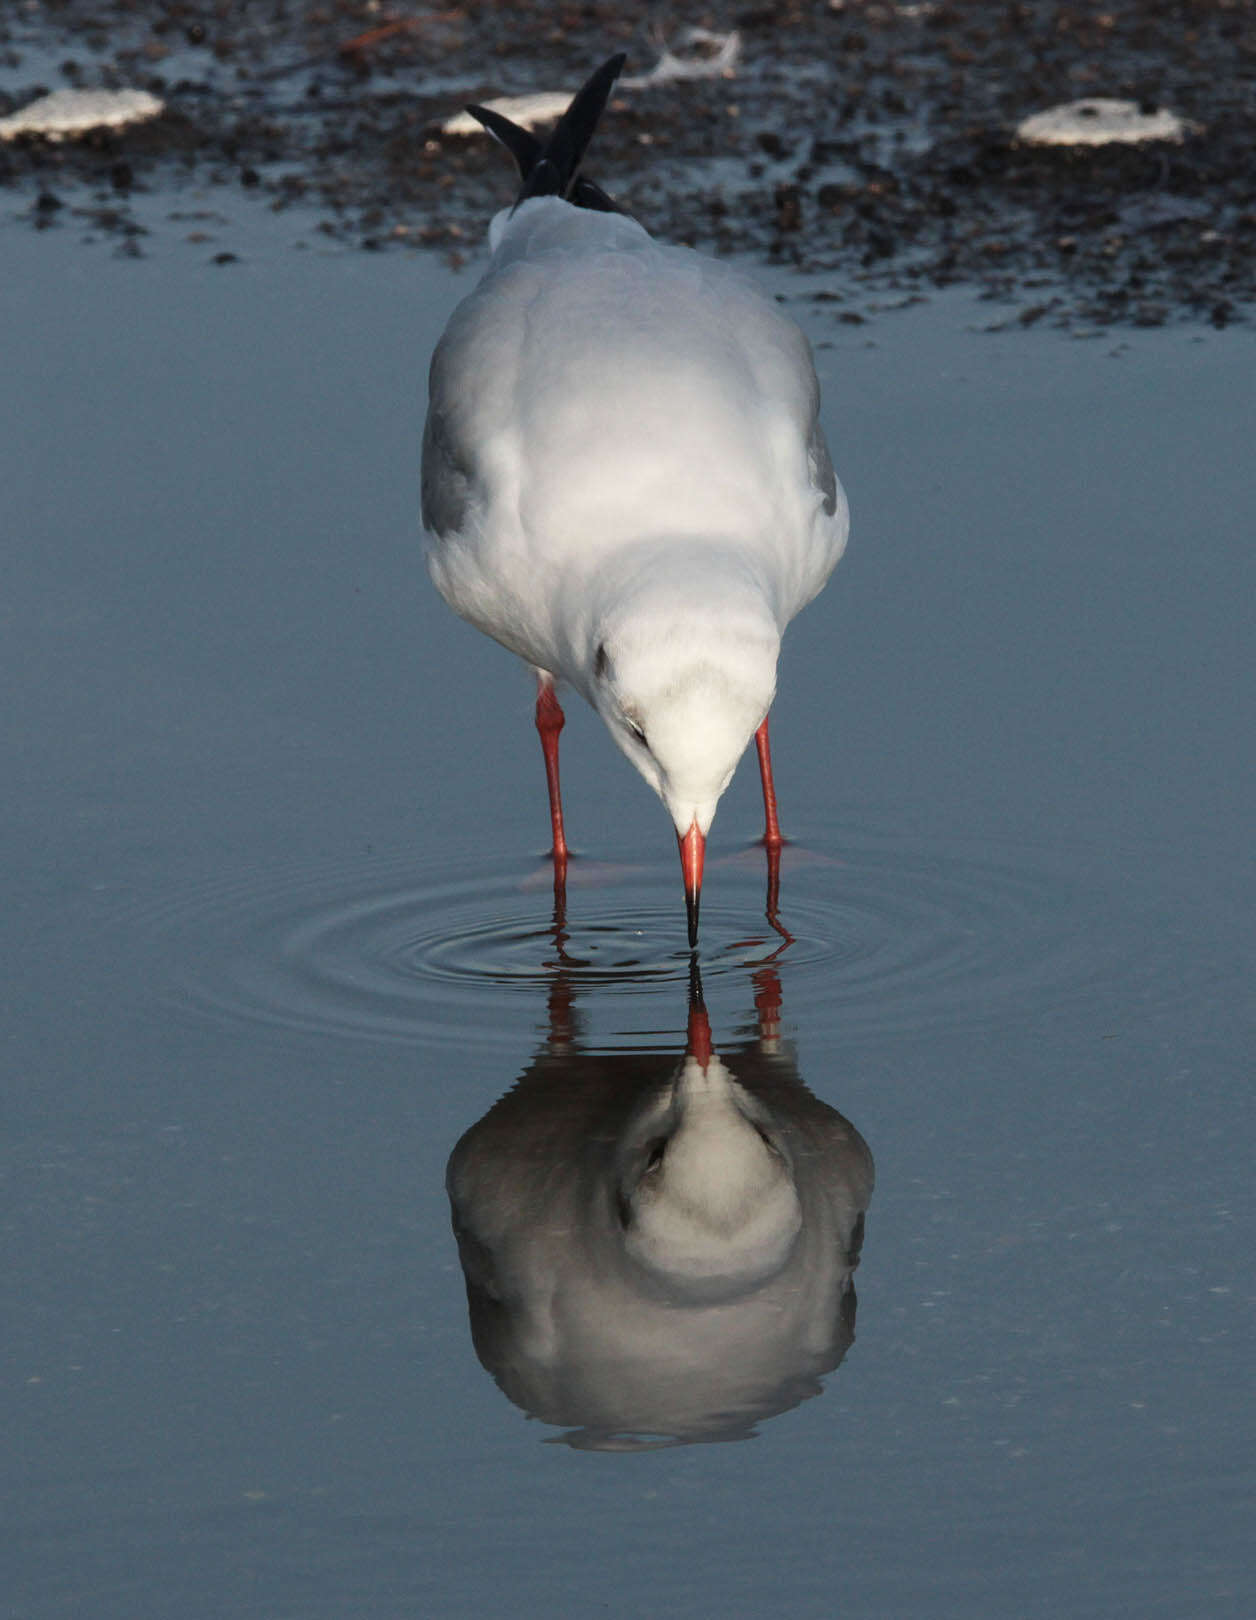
point(888, 934)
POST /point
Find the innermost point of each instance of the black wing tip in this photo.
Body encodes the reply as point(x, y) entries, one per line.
point(552, 168)
point(521, 143)
point(557, 170)
point(587, 194)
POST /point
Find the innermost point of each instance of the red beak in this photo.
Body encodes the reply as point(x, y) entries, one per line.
point(692, 851)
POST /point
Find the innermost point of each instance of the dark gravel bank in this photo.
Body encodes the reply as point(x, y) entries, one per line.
point(868, 141)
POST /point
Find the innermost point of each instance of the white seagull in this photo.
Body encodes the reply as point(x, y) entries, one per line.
point(625, 480)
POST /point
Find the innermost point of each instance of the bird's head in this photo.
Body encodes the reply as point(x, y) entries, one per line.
point(706, 1193)
point(682, 695)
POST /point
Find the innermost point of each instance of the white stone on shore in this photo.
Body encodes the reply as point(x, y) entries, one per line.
point(545, 107)
point(1098, 121)
point(707, 56)
point(75, 112)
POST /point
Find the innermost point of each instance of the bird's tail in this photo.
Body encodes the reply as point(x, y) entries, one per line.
point(552, 168)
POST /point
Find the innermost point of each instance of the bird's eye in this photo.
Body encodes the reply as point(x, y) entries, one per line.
point(601, 661)
point(655, 1158)
point(637, 732)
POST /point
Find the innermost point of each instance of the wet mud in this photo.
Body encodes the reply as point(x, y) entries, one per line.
point(870, 144)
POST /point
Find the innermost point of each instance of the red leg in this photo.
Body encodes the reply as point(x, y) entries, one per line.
point(772, 839)
point(772, 830)
point(550, 720)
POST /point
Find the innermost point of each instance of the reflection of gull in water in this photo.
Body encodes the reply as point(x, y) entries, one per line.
point(660, 1251)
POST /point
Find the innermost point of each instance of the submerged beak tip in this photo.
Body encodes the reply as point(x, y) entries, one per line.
point(692, 849)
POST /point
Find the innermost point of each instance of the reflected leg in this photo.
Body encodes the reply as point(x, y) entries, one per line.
point(767, 1006)
point(772, 904)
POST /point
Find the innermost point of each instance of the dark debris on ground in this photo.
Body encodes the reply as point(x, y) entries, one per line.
point(867, 142)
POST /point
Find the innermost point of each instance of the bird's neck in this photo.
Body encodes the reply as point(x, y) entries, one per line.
point(682, 581)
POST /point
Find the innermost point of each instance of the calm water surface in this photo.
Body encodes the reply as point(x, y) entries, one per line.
point(278, 937)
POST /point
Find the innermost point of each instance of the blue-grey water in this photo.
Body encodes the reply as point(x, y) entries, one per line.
point(278, 934)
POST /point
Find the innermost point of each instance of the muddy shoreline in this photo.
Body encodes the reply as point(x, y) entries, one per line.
point(872, 145)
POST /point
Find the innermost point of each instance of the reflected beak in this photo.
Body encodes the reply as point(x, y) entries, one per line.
point(692, 850)
point(698, 1041)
